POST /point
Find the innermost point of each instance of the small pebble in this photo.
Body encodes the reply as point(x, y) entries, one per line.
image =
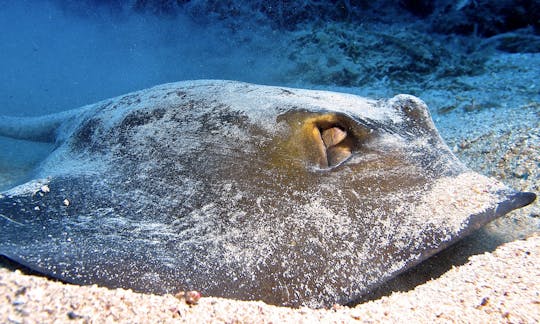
point(484, 301)
point(45, 188)
point(20, 291)
point(17, 302)
point(191, 297)
point(73, 316)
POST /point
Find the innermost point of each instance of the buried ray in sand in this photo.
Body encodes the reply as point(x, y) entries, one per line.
point(293, 197)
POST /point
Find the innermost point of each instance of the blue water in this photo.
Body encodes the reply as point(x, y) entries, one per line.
point(54, 58)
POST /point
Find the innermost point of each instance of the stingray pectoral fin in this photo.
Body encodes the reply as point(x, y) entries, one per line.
point(513, 201)
point(510, 201)
point(88, 241)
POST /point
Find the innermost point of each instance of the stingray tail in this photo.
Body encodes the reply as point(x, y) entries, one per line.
point(38, 129)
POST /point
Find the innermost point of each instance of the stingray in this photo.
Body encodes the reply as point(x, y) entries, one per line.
point(289, 196)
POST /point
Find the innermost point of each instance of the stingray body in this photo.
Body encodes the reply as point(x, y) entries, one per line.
point(289, 196)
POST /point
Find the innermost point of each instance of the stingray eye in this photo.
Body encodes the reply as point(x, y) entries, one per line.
point(321, 140)
point(332, 136)
point(335, 146)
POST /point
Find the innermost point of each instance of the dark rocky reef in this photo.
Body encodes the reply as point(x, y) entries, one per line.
point(479, 18)
point(485, 18)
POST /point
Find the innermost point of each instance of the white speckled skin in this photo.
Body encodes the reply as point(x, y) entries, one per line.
point(213, 186)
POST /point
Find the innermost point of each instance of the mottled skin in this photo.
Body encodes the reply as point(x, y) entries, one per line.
point(289, 196)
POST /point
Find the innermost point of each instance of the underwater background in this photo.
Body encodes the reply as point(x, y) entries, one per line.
point(475, 63)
